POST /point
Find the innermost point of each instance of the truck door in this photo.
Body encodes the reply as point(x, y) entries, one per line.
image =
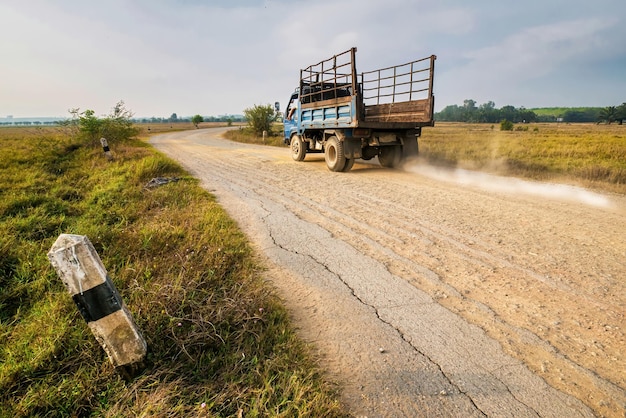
point(290, 119)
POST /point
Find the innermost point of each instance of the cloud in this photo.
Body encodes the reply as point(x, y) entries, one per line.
point(194, 56)
point(531, 55)
point(537, 51)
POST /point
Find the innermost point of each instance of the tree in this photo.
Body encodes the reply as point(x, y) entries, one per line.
point(260, 118)
point(527, 116)
point(470, 111)
point(608, 114)
point(196, 119)
point(450, 113)
point(487, 113)
point(509, 113)
point(581, 115)
point(117, 126)
point(89, 125)
point(469, 104)
point(174, 118)
point(621, 113)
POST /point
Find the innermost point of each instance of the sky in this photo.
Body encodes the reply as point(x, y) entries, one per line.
point(217, 57)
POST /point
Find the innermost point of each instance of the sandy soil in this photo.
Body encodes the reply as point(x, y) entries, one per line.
point(435, 293)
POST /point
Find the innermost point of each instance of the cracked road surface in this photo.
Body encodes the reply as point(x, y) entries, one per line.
point(423, 297)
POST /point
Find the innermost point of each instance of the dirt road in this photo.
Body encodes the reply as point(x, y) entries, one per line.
point(435, 293)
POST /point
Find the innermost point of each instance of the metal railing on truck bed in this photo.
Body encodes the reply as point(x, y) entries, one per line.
point(402, 94)
point(330, 79)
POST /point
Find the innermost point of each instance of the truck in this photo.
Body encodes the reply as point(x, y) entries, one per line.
point(349, 116)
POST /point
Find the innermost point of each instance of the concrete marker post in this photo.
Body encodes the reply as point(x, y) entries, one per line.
point(79, 267)
point(106, 149)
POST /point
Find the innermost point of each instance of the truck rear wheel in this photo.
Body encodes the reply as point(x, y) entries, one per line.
point(390, 156)
point(298, 148)
point(334, 155)
point(349, 164)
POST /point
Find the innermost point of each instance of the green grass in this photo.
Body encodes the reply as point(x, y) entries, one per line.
point(246, 135)
point(220, 343)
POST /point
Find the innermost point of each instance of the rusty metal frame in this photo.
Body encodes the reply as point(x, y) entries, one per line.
point(390, 84)
point(329, 79)
point(388, 98)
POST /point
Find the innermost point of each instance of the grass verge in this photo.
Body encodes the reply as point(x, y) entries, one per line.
point(246, 135)
point(220, 343)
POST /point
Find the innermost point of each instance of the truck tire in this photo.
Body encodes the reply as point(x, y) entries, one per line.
point(349, 164)
point(298, 148)
point(333, 154)
point(390, 156)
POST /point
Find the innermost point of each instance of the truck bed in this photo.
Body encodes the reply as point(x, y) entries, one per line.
point(333, 95)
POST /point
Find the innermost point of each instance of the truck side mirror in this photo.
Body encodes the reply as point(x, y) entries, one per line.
point(277, 106)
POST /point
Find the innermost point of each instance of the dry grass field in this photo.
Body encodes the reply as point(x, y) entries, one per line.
point(589, 155)
point(147, 129)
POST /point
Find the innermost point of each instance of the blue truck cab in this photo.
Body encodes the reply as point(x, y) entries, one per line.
point(348, 116)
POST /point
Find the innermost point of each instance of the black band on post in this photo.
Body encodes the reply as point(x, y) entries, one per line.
point(98, 302)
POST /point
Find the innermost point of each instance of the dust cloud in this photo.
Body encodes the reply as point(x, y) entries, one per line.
point(510, 185)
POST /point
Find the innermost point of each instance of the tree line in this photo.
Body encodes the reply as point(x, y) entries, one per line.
point(174, 118)
point(470, 112)
point(29, 123)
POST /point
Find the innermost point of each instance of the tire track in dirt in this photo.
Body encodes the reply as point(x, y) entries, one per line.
point(429, 242)
point(470, 255)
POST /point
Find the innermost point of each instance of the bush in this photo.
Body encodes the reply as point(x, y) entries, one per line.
point(115, 127)
point(260, 118)
point(197, 119)
point(506, 125)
